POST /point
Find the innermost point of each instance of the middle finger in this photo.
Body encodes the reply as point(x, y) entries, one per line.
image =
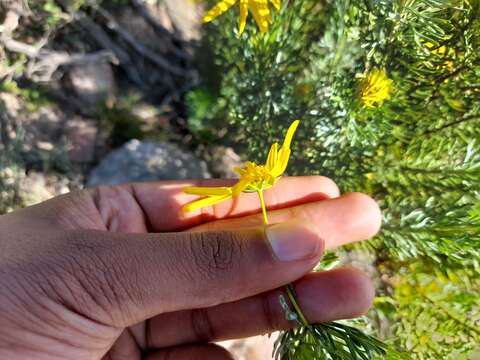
point(349, 218)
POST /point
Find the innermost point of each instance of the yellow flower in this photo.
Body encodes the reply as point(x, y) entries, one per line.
point(253, 177)
point(375, 88)
point(259, 8)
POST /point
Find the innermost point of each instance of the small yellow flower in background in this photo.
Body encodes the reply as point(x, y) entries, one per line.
point(253, 177)
point(442, 50)
point(375, 88)
point(444, 53)
point(259, 8)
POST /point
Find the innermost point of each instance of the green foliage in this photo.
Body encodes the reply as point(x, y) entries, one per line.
point(418, 154)
point(10, 174)
point(47, 16)
point(446, 309)
point(128, 117)
point(33, 97)
point(118, 120)
point(54, 17)
point(251, 92)
point(330, 341)
point(200, 104)
point(11, 170)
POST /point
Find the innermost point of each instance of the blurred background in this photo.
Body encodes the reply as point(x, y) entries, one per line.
point(114, 91)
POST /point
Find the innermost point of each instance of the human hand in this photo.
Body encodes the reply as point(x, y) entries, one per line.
point(120, 273)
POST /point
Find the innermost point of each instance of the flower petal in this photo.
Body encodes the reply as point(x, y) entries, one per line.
point(208, 191)
point(290, 133)
point(276, 3)
point(208, 201)
point(261, 13)
point(272, 157)
point(240, 186)
point(243, 15)
point(218, 10)
point(283, 158)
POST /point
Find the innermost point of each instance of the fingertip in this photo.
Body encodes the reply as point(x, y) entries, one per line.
point(337, 294)
point(359, 283)
point(367, 214)
point(326, 186)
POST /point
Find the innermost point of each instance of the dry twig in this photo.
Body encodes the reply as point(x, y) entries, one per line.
point(138, 47)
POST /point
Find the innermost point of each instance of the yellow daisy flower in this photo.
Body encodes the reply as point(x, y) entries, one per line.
point(259, 8)
point(253, 177)
point(375, 88)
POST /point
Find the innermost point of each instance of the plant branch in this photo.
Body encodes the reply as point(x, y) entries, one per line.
point(453, 123)
point(157, 59)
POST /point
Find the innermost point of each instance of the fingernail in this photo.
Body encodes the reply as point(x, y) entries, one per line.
point(293, 242)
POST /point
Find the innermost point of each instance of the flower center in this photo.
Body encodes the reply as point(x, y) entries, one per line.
point(258, 176)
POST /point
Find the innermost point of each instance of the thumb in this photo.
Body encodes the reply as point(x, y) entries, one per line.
point(134, 277)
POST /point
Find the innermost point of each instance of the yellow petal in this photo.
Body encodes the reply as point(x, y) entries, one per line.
point(290, 133)
point(240, 186)
point(283, 158)
point(208, 191)
point(218, 10)
point(208, 201)
point(272, 157)
point(276, 3)
point(243, 15)
point(261, 13)
point(284, 152)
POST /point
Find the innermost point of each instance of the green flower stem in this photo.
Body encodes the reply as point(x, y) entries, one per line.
point(290, 290)
point(293, 299)
point(264, 208)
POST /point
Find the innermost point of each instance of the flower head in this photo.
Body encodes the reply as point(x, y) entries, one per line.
point(375, 88)
point(253, 177)
point(259, 8)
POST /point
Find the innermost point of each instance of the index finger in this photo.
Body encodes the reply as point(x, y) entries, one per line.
point(162, 202)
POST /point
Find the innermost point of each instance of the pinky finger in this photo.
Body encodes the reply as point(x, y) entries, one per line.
point(192, 352)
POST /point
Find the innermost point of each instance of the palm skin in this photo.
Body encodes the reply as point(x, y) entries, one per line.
point(121, 273)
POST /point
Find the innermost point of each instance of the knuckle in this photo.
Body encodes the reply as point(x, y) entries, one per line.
point(103, 199)
point(202, 325)
point(269, 315)
point(89, 284)
point(216, 253)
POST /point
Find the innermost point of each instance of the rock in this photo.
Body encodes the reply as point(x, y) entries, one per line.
point(36, 187)
point(10, 23)
point(180, 18)
point(137, 26)
point(186, 16)
point(91, 82)
point(81, 136)
point(44, 145)
point(17, 6)
point(223, 160)
point(11, 103)
point(147, 161)
point(42, 129)
point(4, 70)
